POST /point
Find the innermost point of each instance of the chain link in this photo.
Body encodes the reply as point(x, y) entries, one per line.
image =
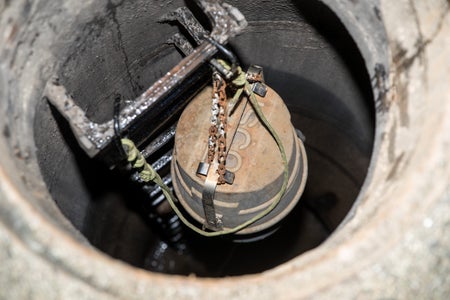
point(218, 129)
point(212, 139)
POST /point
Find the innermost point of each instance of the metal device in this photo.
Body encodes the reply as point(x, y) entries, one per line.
point(252, 158)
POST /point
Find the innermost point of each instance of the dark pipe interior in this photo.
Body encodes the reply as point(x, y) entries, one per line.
point(308, 58)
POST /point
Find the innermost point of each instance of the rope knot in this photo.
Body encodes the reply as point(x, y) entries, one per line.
point(148, 174)
point(239, 79)
point(138, 161)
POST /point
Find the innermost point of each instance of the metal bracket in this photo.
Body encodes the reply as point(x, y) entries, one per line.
point(95, 137)
point(213, 222)
point(186, 19)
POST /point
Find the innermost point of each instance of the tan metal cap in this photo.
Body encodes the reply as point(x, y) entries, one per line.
point(253, 156)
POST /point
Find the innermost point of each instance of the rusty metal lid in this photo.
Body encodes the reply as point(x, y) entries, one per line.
point(253, 157)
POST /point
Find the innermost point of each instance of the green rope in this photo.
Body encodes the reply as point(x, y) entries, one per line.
point(147, 173)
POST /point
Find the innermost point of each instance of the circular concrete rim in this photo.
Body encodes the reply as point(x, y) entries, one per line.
point(401, 215)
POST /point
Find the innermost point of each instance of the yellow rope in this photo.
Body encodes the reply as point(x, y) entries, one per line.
point(147, 173)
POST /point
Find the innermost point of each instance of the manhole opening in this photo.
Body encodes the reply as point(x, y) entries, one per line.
point(308, 58)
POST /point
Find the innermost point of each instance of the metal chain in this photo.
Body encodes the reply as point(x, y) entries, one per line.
point(212, 139)
point(218, 129)
point(222, 139)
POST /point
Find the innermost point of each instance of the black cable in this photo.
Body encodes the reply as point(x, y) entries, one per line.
point(229, 54)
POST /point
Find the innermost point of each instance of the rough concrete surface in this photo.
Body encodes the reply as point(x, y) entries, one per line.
point(394, 244)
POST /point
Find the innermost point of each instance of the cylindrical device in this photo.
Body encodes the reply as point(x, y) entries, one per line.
point(253, 156)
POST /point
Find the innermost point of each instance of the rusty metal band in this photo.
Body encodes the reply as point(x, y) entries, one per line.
point(208, 193)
